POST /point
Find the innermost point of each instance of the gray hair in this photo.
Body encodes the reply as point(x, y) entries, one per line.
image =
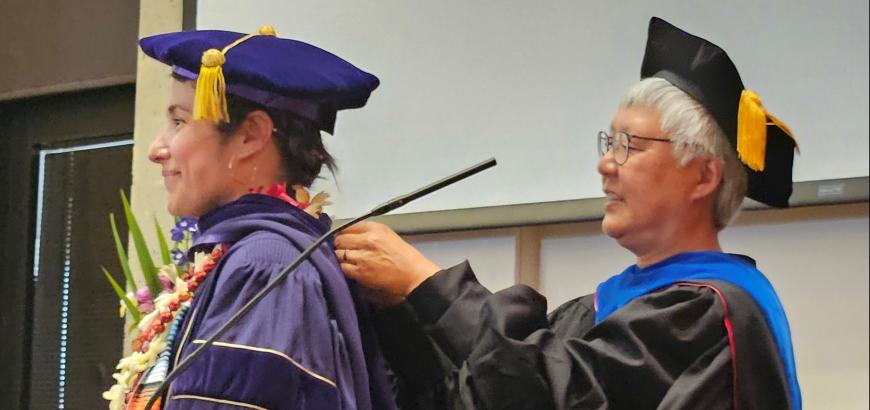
point(694, 133)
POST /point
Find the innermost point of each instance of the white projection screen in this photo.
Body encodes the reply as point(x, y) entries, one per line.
point(530, 83)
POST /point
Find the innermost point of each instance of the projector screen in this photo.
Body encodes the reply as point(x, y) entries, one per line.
point(530, 83)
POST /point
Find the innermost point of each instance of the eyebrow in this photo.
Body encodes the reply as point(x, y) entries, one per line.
point(175, 107)
point(613, 129)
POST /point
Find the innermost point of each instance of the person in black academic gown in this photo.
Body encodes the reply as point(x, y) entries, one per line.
point(686, 327)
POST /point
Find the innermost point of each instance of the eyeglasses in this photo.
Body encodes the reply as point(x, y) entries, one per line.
point(620, 144)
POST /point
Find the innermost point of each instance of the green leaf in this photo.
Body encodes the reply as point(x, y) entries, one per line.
point(164, 247)
point(131, 307)
point(122, 256)
point(149, 271)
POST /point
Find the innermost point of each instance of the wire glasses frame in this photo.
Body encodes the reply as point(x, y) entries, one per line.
point(619, 143)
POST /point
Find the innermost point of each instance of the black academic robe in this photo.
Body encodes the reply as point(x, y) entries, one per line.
point(455, 345)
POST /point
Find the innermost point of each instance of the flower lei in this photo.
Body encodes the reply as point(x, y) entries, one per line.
point(177, 296)
point(151, 340)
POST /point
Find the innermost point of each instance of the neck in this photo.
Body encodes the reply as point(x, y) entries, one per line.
point(254, 174)
point(693, 235)
point(657, 255)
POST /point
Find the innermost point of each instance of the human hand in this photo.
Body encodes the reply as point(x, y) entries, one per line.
point(375, 256)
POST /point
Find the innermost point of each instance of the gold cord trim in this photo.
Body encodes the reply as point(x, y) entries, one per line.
point(274, 352)
point(214, 400)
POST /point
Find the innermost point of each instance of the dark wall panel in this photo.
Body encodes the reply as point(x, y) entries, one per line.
point(76, 328)
point(52, 46)
point(56, 121)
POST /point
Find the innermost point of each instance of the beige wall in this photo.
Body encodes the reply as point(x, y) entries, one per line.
point(147, 194)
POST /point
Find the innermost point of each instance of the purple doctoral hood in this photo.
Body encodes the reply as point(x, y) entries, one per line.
point(255, 213)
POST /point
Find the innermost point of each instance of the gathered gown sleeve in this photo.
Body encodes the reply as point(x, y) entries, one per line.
point(666, 350)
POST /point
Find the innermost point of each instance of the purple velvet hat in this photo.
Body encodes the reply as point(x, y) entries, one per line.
point(279, 73)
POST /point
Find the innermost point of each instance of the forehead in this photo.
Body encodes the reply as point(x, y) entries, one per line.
point(638, 120)
point(181, 94)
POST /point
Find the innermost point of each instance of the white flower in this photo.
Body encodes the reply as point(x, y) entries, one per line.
point(162, 301)
point(198, 259)
point(115, 395)
point(169, 270)
point(146, 320)
point(180, 286)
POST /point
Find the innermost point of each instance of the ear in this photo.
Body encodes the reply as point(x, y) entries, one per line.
point(710, 172)
point(256, 133)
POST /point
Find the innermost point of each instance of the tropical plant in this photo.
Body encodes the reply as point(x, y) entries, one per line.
point(139, 300)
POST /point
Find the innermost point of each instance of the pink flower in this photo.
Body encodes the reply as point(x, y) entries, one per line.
point(146, 303)
point(168, 284)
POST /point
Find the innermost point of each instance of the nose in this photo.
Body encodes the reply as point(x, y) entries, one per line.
point(607, 166)
point(158, 152)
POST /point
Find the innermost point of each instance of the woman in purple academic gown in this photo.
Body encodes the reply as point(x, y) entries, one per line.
point(243, 124)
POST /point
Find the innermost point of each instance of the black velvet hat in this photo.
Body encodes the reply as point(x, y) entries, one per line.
point(703, 70)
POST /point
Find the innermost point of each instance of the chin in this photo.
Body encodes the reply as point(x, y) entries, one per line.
point(609, 224)
point(609, 230)
point(171, 209)
point(190, 209)
point(612, 227)
point(175, 208)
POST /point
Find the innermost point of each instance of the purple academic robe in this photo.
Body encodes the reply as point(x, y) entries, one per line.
point(307, 345)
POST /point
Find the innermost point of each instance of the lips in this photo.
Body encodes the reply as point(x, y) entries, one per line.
point(612, 196)
point(613, 201)
point(170, 178)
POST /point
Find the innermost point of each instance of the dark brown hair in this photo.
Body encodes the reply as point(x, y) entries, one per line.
point(297, 139)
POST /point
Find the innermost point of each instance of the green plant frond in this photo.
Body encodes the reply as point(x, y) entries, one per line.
point(149, 271)
point(131, 307)
point(122, 256)
point(164, 246)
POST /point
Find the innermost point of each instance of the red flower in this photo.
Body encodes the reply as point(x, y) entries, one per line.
point(279, 191)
